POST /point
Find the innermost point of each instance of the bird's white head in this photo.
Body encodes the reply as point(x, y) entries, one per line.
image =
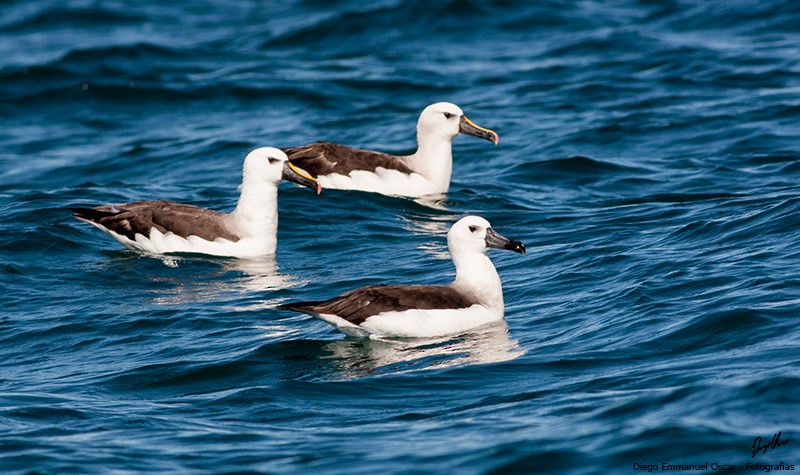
point(271, 164)
point(445, 120)
point(474, 234)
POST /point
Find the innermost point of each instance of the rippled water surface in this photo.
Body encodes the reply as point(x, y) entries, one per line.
point(648, 158)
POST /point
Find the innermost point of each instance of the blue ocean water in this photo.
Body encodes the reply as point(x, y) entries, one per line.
point(648, 158)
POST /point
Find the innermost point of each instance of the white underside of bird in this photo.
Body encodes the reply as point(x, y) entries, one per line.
point(417, 323)
point(169, 243)
point(387, 182)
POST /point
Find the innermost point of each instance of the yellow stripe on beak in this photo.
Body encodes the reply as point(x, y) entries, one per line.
point(466, 119)
point(471, 128)
point(300, 172)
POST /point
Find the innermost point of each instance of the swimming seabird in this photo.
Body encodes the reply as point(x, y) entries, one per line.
point(473, 299)
point(425, 172)
point(160, 227)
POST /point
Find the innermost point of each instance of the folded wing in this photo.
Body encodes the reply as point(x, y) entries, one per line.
point(358, 305)
point(142, 216)
point(324, 158)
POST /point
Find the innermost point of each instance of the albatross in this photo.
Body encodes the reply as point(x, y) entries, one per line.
point(473, 299)
point(160, 227)
point(425, 172)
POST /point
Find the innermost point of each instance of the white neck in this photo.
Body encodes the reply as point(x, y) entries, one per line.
point(434, 160)
point(256, 213)
point(476, 276)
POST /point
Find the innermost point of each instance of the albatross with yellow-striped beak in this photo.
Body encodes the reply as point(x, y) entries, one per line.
point(425, 172)
point(473, 299)
point(250, 230)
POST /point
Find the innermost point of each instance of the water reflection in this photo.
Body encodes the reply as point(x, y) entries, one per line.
point(261, 274)
point(191, 278)
point(354, 358)
point(428, 225)
point(434, 201)
point(252, 278)
point(435, 228)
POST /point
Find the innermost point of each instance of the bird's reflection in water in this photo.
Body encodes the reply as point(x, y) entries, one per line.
point(433, 227)
point(210, 280)
point(354, 358)
point(435, 201)
point(261, 274)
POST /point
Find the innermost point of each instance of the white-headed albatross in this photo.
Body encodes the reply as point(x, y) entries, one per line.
point(160, 227)
point(425, 172)
point(473, 299)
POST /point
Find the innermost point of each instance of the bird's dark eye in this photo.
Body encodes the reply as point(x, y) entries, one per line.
point(272, 159)
point(448, 115)
point(473, 228)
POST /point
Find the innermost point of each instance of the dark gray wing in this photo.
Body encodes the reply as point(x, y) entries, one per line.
point(359, 304)
point(140, 217)
point(324, 158)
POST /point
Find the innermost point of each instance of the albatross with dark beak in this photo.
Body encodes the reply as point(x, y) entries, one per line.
point(425, 172)
point(473, 299)
point(159, 227)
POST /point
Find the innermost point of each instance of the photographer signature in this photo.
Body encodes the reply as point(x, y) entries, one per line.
point(773, 444)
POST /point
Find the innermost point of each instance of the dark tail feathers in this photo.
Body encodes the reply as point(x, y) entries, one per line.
point(90, 214)
point(304, 307)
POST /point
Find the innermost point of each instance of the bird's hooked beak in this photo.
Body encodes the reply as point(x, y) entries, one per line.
point(294, 174)
point(493, 239)
point(469, 127)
